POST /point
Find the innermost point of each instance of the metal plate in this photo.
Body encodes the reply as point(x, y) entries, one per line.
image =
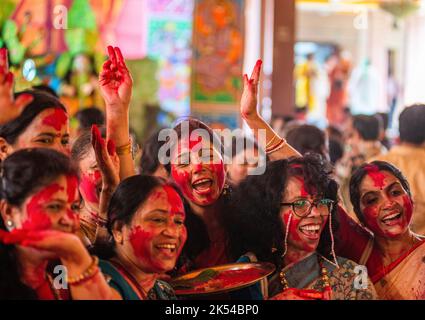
point(222, 278)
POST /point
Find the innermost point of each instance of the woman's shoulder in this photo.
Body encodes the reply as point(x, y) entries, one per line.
point(117, 281)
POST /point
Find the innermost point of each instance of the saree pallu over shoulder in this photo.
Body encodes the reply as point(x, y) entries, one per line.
point(120, 282)
point(405, 278)
point(346, 281)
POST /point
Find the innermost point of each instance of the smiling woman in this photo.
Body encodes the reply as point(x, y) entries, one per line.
point(39, 204)
point(42, 124)
point(292, 211)
point(382, 201)
point(146, 220)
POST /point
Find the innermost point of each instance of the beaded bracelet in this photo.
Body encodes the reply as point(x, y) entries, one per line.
point(88, 274)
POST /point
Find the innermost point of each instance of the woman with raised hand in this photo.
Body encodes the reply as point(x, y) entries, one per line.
point(89, 152)
point(197, 167)
point(288, 216)
point(40, 254)
point(116, 84)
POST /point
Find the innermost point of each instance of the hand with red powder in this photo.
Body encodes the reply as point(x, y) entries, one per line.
point(9, 107)
point(116, 87)
point(250, 92)
point(115, 80)
point(108, 163)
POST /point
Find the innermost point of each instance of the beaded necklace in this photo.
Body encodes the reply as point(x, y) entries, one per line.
point(323, 274)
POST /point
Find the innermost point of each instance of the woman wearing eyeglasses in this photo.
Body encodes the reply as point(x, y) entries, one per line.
point(287, 216)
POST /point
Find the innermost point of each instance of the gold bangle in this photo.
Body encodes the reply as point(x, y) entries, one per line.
point(89, 273)
point(271, 141)
point(125, 149)
point(277, 146)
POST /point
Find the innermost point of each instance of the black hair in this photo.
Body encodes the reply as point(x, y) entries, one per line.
point(23, 173)
point(360, 173)
point(412, 124)
point(149, 161)
point(41, 101)
point(90, 116)
point(254, 223)
point(307, 138)
point(336, 150)
point(46, 89)
point(368, 127)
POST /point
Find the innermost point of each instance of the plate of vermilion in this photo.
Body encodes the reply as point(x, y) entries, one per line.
point(223, 278)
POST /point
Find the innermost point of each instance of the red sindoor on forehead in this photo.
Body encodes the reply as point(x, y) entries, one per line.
point(174, 199)
point(56, 120)
point(376, 175)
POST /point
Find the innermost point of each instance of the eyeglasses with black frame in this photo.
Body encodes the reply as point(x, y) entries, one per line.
point(303, 207)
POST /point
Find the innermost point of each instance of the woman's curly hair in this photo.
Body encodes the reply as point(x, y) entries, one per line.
point(254, 223)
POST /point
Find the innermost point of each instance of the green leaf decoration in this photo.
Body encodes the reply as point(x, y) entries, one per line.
point(204, 276)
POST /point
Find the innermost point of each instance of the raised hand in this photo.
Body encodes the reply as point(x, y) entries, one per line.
point(250, 92)
point(109, 165)
point(9, 107)
point(115, 80)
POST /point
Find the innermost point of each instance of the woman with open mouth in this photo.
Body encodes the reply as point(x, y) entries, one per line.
point(146, 220)
point(288, 216)
point(197, 167)
point(383, 203)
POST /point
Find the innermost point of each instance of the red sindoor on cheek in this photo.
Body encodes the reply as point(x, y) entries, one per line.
point(141, 241)
point(37, 218)
point(71, 189)
point(371, 219)
point(377, 176)
point(408, 208)
point(56, 120)
point(88, 186)
point(182, 179)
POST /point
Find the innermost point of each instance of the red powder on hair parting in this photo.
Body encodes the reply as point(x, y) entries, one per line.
point(377, 176)
point(176, 203)
point(303, 189)
point(56, 120)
